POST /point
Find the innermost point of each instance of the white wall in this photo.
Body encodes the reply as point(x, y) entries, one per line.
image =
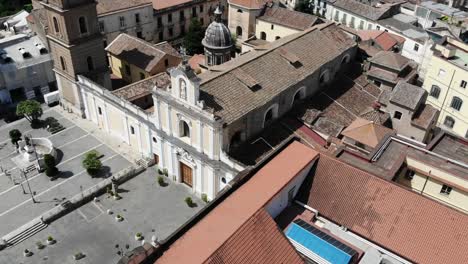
point(280, 201)
point(112, 26)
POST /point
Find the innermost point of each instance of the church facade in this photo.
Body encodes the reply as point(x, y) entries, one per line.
point(193, 121)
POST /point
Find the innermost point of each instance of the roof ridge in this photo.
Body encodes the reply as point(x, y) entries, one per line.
point(272, 47)
point(138, 40)
point(140, 81)
point(375, 177)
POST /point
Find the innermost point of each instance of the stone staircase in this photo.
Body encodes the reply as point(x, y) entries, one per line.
point(24, 233)
point(144, 162)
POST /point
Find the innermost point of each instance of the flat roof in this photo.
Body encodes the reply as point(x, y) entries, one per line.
point(204, 239)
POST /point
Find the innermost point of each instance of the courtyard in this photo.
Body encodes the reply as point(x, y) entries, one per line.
point(146, 207)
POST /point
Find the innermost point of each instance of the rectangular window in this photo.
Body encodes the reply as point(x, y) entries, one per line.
point(201, 8)
point(99, 110)
point(166, 62)
point(416, 47)
point(140, 34)
point(159, 22)
point(161, 36)
point(463, 84)
point(171, 32)
point(137, 18)
point(101, 27)
point(181, 15)
point(194, 11)
point(397, 115)
point(445, 189)
point(169, 18)
point(272, 27)
point(122, 21)
point(132, 130)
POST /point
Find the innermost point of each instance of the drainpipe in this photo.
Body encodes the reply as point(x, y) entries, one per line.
point(446, 94)
point(424, 186)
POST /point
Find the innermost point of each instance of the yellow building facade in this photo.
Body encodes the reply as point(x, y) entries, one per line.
point(447, 85)
point(133, 59)
point(441, 185)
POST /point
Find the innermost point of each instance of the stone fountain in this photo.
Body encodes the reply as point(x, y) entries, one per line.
point(32, 150)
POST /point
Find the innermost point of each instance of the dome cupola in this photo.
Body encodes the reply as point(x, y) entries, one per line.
point(217, 41)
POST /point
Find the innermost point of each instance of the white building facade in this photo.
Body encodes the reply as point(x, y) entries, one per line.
point(179, 135)
point(136, 21)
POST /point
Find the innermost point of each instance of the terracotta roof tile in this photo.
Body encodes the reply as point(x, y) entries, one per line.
point(140, 53)
point(411, 225)
point(107, 6)
point(236, 222)
point(143, 87)
point(390, 59)
point(366, 132)
point(258, 240)
point(227, 95)
point(252, 4)
point(289, 18)
point(162, 4)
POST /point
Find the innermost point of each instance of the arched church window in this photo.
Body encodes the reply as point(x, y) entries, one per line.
point(56, 25)
point(239, 31)
point(184, 129)
point(183, 90)
point(89, 60)
point(83, 27)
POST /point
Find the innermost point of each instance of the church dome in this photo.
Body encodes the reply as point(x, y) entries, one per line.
point(217, 35)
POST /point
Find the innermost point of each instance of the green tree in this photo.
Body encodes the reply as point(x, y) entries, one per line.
point(11, 7)
point(91, 163)
point(15, 136)
point(30, 109)
point(193, 39)
point(304, 6)
point(50, 165)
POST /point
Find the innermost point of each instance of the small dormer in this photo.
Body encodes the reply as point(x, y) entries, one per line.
point(185, 84)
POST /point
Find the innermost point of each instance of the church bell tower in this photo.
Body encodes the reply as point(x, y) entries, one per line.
point(76, 46)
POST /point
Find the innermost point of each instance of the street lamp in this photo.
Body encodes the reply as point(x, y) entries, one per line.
point(29, 186)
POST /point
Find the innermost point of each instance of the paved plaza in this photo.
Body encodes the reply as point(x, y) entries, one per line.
point(146, 207)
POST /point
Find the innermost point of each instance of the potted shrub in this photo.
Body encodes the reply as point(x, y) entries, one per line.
point(119, 218)
point(189, 201)
point(204, 197)
point(78, 256)
point(39, 245)
point(15, 136)
point(27, 253)
point(161, 181)
point(91, 163)
point(50, 165)
point(138, 236)
point(50, 240)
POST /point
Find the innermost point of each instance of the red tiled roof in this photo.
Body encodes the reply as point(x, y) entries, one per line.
point(162, 4)
point(253, 4)
point(226, 223)
point(260, 232)
point(413, 226)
